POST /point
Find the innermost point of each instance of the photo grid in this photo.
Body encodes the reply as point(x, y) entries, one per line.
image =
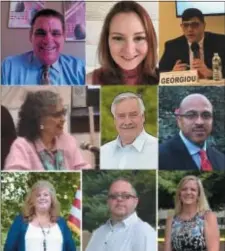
point(112, 125)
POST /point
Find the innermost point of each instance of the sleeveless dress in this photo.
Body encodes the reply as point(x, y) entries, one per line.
point(188, 235)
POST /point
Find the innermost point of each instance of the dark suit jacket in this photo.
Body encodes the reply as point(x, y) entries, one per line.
point(178, 49)
point(173, 155)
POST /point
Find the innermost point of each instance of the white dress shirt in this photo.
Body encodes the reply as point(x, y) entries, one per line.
point(141, 154)
point(131, 234)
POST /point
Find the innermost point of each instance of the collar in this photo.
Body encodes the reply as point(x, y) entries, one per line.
point(125, 222)
point(192, 148)
point(36, 63)
point(138, 143)
point(200, 43)
point(39, 145)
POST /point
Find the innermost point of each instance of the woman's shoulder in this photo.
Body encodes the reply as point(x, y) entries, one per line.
point(21, 141)
point(208, 215)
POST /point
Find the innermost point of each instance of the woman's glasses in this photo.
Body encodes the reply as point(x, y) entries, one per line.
point(58, 113)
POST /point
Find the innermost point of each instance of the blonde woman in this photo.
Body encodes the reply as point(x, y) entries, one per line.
point(193, 227)
point(39, 227)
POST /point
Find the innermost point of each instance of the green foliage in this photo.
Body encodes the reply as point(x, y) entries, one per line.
point(213, 183)
point(108, 93)
point(16, 185)
point(170, 98)
point(95, 211)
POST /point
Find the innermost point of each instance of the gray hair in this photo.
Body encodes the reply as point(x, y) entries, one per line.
point(127, 95)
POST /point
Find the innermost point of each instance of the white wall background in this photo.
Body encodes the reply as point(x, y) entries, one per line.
point(95, 15)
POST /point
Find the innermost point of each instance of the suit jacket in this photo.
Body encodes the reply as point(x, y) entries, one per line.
point(173, 155)
point(178, 49)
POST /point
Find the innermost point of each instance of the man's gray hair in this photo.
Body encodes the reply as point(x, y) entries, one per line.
point(127, 95)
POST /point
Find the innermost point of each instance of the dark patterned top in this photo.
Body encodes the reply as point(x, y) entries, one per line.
point(188, 235)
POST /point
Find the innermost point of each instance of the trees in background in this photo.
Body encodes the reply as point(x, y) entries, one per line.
point(14, 187)
point(170, 98)
point(95, 191)
point(150, 99)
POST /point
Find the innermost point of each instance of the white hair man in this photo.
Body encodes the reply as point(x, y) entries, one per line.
point(133, 148)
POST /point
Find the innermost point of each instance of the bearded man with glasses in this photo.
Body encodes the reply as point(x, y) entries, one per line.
point(189, 150)
point(124, 231)
point(195, 48)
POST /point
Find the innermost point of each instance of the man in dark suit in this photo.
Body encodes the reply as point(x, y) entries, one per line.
point(178, 55)
point(189, 150)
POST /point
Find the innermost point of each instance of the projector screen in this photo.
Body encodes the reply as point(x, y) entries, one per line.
point(206, 7)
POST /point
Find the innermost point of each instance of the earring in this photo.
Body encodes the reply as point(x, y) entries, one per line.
point(41, 127)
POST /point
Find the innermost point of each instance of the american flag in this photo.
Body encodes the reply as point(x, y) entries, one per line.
point(74, 220)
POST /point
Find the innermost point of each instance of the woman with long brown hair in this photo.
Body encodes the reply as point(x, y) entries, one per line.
point(127, 49)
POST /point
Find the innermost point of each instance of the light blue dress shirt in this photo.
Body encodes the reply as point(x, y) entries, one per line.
point(141, 154)
point(26, 69)
point(131, 234)
point(193, 150)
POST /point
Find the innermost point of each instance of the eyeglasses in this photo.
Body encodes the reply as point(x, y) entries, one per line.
point(123, 196)
point(193, 25)
point(193, 115)
point(59, 113)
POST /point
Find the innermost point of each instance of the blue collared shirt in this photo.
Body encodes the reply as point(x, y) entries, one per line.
point(141, 154)
point(193, 149)
point(26, 69)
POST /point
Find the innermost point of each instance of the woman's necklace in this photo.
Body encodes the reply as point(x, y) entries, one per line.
point(45, 235)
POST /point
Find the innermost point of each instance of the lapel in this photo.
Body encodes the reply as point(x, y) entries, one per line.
point(212, 157)
point(184, 51)
point(183, 155)
point(208, 51)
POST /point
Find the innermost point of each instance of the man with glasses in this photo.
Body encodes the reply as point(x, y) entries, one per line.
point(124, 231)
point(195, 49)
point(189, 150)
point(133, 148)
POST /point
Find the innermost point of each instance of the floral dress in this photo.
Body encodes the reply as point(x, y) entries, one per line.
point(188, 235)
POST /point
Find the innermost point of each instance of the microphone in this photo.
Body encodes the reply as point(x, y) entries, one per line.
point(195, 49)
point(89, 147)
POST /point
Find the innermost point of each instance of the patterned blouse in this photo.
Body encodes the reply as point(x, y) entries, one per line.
point(188, 235)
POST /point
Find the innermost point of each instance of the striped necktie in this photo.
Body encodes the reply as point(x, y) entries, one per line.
point(45, 75)
point(205, 163)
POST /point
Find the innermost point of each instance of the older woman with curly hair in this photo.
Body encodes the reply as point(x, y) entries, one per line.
point(194, 226)
point(39, 227)
point(42, 144)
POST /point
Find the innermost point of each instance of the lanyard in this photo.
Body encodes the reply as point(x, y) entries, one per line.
point(45, 235)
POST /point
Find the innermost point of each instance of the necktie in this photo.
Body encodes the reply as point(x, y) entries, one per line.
point(205, 163)
point(45, 75)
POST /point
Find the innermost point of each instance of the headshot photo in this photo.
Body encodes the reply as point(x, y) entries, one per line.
point(194, 39)
point(129, 128)
point(191, 211)
point(119, 211)
point(126, 48)
point(41, 55)
point(191, 128)
point(41, 212)
point(47, 135)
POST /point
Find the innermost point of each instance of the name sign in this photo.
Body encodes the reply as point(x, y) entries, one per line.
point(179, 77)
